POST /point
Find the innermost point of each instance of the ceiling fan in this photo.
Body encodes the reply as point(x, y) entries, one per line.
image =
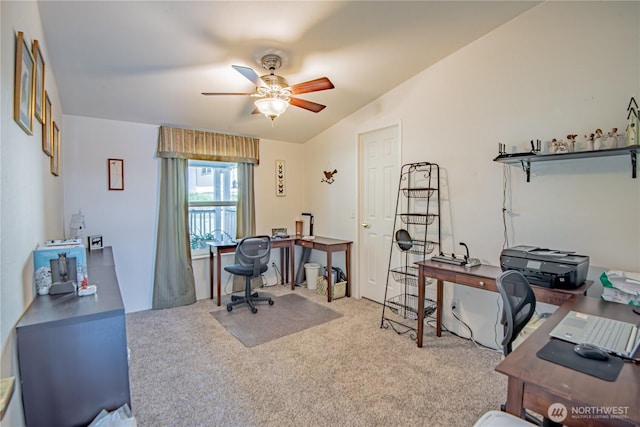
point(274, 93)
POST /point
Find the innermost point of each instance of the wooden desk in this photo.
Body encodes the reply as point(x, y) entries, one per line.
point(535, 383)
point(480, 277)
point(230, 247)
point(329, 246)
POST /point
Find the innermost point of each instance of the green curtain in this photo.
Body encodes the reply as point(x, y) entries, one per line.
point(245, 217)
point(246, 214)
point(173, 283)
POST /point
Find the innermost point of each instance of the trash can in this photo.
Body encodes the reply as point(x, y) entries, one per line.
point(311, 271)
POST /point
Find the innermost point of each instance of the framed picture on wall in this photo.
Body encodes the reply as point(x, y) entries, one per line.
point(38, 76)
point(55, 149)
point(23, 85)
point(46, 125)
point(116, 174)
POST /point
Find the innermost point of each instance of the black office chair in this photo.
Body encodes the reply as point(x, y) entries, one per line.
point(252, 259)
point(518, 306)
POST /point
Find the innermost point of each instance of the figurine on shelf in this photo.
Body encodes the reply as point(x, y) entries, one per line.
point(632, 134)
point(558, 147)
point(589, 139)
point(597, 140)
point(632, 127)
point(571, 143)
point(612, 139)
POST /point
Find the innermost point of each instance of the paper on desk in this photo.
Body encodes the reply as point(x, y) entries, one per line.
point(625, 281)
point(620, 287)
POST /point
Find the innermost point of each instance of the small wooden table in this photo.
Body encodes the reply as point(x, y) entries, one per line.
point(329, 246)
point(227, 247)
point(536, 384)
point(480, 277)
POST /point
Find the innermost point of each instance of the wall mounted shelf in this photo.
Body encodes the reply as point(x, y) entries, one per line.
point(525, 159)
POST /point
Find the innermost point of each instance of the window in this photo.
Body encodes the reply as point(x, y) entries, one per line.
point(213, 199)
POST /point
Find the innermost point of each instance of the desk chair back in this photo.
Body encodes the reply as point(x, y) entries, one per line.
point(518, 305)
point(252, 259)
point(254, 253)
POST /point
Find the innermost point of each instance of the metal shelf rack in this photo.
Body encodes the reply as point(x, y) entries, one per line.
point(416, 234)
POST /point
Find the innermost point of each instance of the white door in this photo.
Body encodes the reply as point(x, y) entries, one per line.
point(379, 153)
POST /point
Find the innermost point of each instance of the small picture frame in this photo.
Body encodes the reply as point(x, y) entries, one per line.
point(23, 85)
point(47, 125)
point(55, 149)
point(116, 174)
point(94, 242)
point(38, 75)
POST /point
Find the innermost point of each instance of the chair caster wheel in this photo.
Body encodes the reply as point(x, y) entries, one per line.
point(254, 310)
point(270, 302)
point(229, 308)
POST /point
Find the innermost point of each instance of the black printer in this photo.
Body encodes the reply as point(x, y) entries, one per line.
point(549, 268)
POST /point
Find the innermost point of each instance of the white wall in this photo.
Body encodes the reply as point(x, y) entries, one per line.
point(30, 196)
point(561, 68)
point(127, 219)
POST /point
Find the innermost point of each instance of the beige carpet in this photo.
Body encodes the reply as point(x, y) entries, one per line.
point(187, 370)
point(289, 314)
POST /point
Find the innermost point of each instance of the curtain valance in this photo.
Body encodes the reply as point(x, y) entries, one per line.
point(201, 145)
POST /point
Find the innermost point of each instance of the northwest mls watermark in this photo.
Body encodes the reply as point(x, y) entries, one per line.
point(558, 412)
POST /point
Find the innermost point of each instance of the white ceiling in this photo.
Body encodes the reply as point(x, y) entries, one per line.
point(149, 61)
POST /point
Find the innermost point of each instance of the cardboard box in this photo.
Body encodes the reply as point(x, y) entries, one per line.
point(43, 256)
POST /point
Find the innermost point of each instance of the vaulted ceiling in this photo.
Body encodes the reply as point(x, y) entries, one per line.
point(149, 61)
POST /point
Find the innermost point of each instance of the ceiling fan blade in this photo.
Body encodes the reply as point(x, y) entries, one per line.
point(249, 74)
point(307, 105)
point(322, 83)
point(227, 93)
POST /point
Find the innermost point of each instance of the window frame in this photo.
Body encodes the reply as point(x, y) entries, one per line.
point(200, 253)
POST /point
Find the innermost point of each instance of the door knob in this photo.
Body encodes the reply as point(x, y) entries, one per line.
point(365, 225)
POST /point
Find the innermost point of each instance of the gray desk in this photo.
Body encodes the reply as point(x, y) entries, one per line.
point(72, 351)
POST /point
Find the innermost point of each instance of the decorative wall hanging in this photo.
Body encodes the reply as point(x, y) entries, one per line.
point(116, 174)
point(281, 189)
point(38, 76)
point(23, 85)
point(328, 176)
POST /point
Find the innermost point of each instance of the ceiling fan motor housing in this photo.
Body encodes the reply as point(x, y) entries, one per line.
point(273, 80)
point(271, 62)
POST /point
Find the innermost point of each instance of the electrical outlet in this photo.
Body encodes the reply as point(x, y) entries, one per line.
point(454, 304)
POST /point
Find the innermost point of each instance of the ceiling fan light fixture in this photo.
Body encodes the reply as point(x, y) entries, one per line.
point(272, 107)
